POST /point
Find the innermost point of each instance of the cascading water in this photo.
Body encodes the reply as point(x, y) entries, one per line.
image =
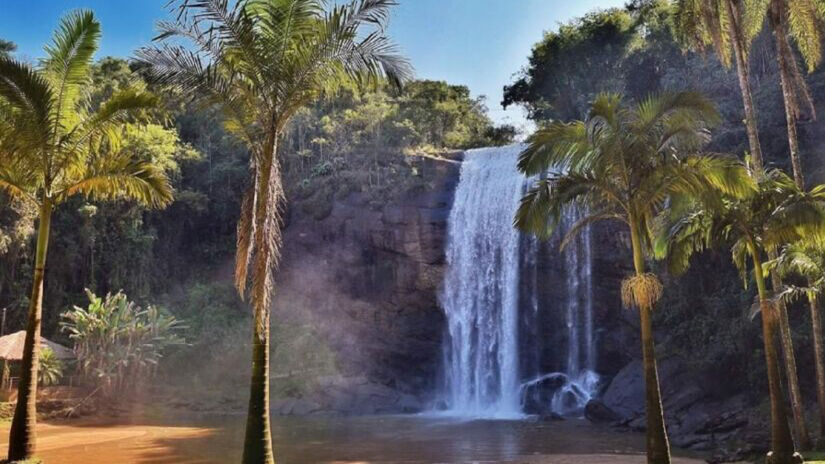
point(491, 296)
point(481, 287)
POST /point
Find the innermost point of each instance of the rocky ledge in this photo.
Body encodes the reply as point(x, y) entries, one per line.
point(731, 427)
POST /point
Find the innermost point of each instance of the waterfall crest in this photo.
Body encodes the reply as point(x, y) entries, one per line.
point(489, 266)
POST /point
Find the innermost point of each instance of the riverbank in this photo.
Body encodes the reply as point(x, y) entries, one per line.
point(383, 439)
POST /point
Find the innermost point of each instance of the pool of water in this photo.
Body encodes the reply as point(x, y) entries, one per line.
point(434, 439)
point(176, 439)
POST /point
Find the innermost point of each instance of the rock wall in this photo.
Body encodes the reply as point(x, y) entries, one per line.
point(369, 279)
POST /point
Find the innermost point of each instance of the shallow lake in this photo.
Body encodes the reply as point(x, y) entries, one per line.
point(385, 439)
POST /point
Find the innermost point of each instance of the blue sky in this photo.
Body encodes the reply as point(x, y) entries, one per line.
point(478, 43)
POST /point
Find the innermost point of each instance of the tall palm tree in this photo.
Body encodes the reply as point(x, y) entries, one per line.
point(800, 21)
point(624, 163)
point(729, 27)
point(807, 258)
point(54, 145)
point(261, 61)
point(776, 212)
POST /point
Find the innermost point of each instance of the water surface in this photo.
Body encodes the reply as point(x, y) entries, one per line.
point(387, 439)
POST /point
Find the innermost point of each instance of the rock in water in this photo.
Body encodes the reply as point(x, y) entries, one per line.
point(538, 395)
point(596, 411)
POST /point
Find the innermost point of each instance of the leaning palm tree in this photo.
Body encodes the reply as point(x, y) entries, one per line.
point(777, 212)
point(262, 61)
point(54, 145)
point(625, 163)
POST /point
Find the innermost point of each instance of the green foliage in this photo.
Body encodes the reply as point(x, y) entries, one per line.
point(51, 368)
point(359, 139)
point(776, 212)
point(44, 112)
point(567, 67)
point(625, 162)
point(7, 47)
point(119, 344)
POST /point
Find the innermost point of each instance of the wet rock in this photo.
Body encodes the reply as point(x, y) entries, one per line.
point(597, 411)
point(538, 395)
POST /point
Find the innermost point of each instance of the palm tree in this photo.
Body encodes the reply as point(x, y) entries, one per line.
point(807, 259)
point(624, 163)
point(727, 26)
point(731, 25)
point(54, 145)
point(262, 61)
point(776, 212)
point(50, 370)
point(800, 21)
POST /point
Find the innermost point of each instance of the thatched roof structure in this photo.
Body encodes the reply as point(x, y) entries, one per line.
point(11, 347)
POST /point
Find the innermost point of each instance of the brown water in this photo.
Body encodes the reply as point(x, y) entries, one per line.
point(388, 439)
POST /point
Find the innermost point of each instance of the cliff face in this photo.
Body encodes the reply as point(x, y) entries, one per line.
point(370, 279)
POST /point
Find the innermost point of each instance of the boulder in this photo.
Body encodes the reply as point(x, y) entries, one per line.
point(625, 395)
point(597, 411)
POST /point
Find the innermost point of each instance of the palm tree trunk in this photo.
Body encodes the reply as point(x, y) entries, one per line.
point(743, 72)
point(258, 439)
point(782, 446)
point(658, 447)
point(819, 361)
point(797, 405)
point(22, 437)
point(784, 58)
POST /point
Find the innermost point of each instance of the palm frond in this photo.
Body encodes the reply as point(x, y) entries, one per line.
point(121, 177)
point(582, 223)
point(804, 21)
point(556, 146)
point(28, 92)
point(69, 60)
point(244, 243)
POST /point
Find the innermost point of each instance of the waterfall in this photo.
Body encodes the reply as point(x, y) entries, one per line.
point(481, 286)
point(491, 299)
